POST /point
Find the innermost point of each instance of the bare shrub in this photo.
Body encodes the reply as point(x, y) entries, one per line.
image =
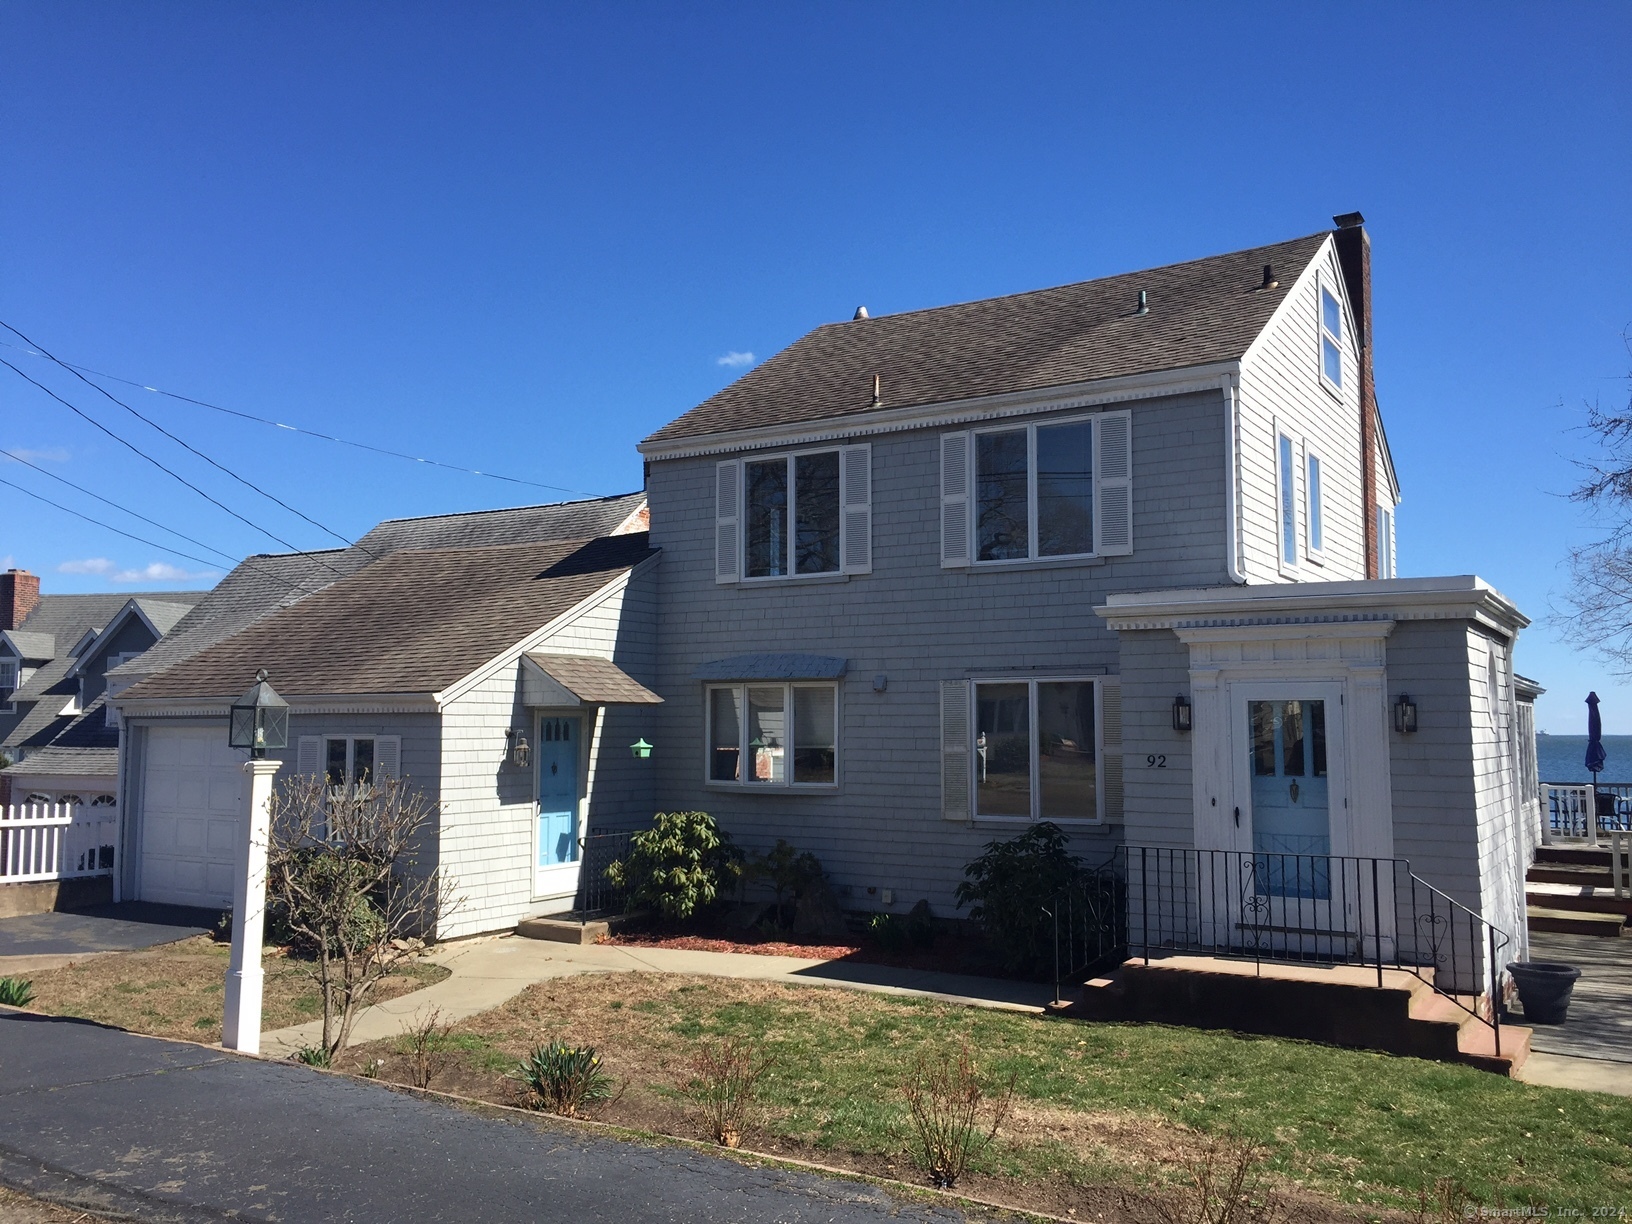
point(1446, 1203)
point(724, 1081)
point(1224, 1184)
point(953, 1120)
point(426, 1043)
point(346, 879)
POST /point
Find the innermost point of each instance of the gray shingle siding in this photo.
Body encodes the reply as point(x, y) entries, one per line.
point(919, 624)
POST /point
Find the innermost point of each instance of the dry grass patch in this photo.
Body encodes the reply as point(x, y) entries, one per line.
point(177, 990)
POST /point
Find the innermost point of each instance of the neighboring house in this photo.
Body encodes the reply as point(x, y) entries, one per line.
point(446, 642)
point(55, 652)
point(931, 577)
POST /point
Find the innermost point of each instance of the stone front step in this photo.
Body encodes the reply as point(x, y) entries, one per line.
point(1576, 922)
point(1339, 1005)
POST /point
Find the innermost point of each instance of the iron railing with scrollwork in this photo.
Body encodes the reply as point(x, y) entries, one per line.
point(1321, 909)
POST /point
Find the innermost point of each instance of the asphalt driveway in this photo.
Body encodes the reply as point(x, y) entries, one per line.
point(164, 1131)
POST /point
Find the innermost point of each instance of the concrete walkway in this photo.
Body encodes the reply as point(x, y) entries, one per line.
point(486, 972)
point(139, 1128)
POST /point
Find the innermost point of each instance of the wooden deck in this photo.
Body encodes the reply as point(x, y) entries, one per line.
point(1600, 1023)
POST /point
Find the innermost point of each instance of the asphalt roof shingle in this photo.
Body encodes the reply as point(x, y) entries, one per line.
point(413, 622)
point(1200, 312)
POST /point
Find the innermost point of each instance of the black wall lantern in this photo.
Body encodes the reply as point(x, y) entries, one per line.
point(260, 719)
point(519, 752)
point(1405, 715)
point(1181, 713)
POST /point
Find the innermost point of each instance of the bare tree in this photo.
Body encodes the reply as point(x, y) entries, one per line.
point(1597, 610)
point(347, 868)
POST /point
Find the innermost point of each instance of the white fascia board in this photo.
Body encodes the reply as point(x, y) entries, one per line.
point(1311, 271)
point(1462, 597)
point(326, 703)
point(512, 654)
point(954, 412)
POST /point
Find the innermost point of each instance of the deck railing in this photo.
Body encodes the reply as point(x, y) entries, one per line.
point(56, 841)
point(1320, 909)
point(1569, 812)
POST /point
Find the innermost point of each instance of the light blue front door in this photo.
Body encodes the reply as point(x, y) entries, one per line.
point(1291, 811)
point(558, 791)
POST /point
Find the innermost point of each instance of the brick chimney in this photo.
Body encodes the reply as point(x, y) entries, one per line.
point(1354, 257)
point(19, 595)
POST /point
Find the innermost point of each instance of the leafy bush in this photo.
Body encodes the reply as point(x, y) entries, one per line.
point(792, 875)
point(895, 933)
point(682, 865)
point(564, 1079)
point(724, 1080)
point(1007, 887)
point(946, 1104)
point(16, 992)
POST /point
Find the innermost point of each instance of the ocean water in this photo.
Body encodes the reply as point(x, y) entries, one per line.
point(1562, 758)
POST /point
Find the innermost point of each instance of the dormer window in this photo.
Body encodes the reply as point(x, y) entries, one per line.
point(1331, 339)
point(8, 682)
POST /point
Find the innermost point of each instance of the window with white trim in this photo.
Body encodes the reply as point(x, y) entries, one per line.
point(1314, 510)
point(8, 683)
point(770, 734)
point(1037, 749)
point(1331, 338)
point(1385, 542)
point(804, 514)
point(1042, 490)
point(344, 759)
point(1287, 481)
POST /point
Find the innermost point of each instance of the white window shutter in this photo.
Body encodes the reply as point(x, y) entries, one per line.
point(955, 499)
point(727, 516)
point(1110, 747)
point(309, 755)
point(955, 777)
point(856, 495)
point(1113, 484)
point(388, 756)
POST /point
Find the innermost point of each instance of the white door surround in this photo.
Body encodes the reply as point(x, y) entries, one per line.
point(1342, 662)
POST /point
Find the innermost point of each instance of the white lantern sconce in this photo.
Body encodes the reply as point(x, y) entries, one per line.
point(517, 748)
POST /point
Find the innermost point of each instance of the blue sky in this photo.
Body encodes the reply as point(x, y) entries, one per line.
point(519, 237)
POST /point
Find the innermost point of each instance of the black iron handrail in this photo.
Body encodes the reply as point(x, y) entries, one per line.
point(597, 895)
point(1265, 906)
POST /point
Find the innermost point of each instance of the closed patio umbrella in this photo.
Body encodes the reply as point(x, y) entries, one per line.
point(1595, 756)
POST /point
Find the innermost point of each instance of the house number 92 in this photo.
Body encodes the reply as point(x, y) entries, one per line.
point(1158, 761)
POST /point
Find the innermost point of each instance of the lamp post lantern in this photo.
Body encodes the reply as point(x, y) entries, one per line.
point(259, 720)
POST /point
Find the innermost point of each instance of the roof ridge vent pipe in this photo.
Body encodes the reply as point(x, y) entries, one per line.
point(1269, 278)
point(1144, 303)
point(861, 313)
point(878, 391)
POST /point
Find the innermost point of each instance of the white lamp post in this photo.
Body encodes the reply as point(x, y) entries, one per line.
point(260, 720)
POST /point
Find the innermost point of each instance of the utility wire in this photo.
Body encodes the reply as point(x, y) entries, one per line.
point(105, 526)
point(310, 433)
point(178, 441)
point(138, 451)
point(288, 583)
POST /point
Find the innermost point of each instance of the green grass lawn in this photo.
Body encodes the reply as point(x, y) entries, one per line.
point(1097, 1102)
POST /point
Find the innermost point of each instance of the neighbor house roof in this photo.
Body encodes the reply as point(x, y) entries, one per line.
point(262, 584)
point(32, 645)
point(76, 762)
point(1205, 311)
point(413, 622)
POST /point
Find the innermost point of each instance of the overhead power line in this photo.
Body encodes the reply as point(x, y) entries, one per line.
point(248, 484)
point(133, 448)
point(297, 429)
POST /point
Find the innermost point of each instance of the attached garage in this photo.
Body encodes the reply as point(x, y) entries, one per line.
point(191, 800)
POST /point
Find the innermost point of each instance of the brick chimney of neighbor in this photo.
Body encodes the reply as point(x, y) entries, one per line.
point(19, 595)
point(1354, 257)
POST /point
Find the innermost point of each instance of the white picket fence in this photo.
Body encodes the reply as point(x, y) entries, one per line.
point(56, 841)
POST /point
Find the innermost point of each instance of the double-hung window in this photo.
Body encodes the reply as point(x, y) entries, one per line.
point(798, 515)
point(1037, 491)
point(1331, 338)
point(1037, 749)
point(344, 760)
point(8, 682)
point(773, 734)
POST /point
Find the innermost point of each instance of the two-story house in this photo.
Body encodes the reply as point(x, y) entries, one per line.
point(1117, 555)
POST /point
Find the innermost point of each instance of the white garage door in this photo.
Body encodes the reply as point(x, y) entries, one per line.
point(192, 797)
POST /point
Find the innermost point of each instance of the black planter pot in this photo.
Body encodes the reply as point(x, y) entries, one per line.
point(1544, 989)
